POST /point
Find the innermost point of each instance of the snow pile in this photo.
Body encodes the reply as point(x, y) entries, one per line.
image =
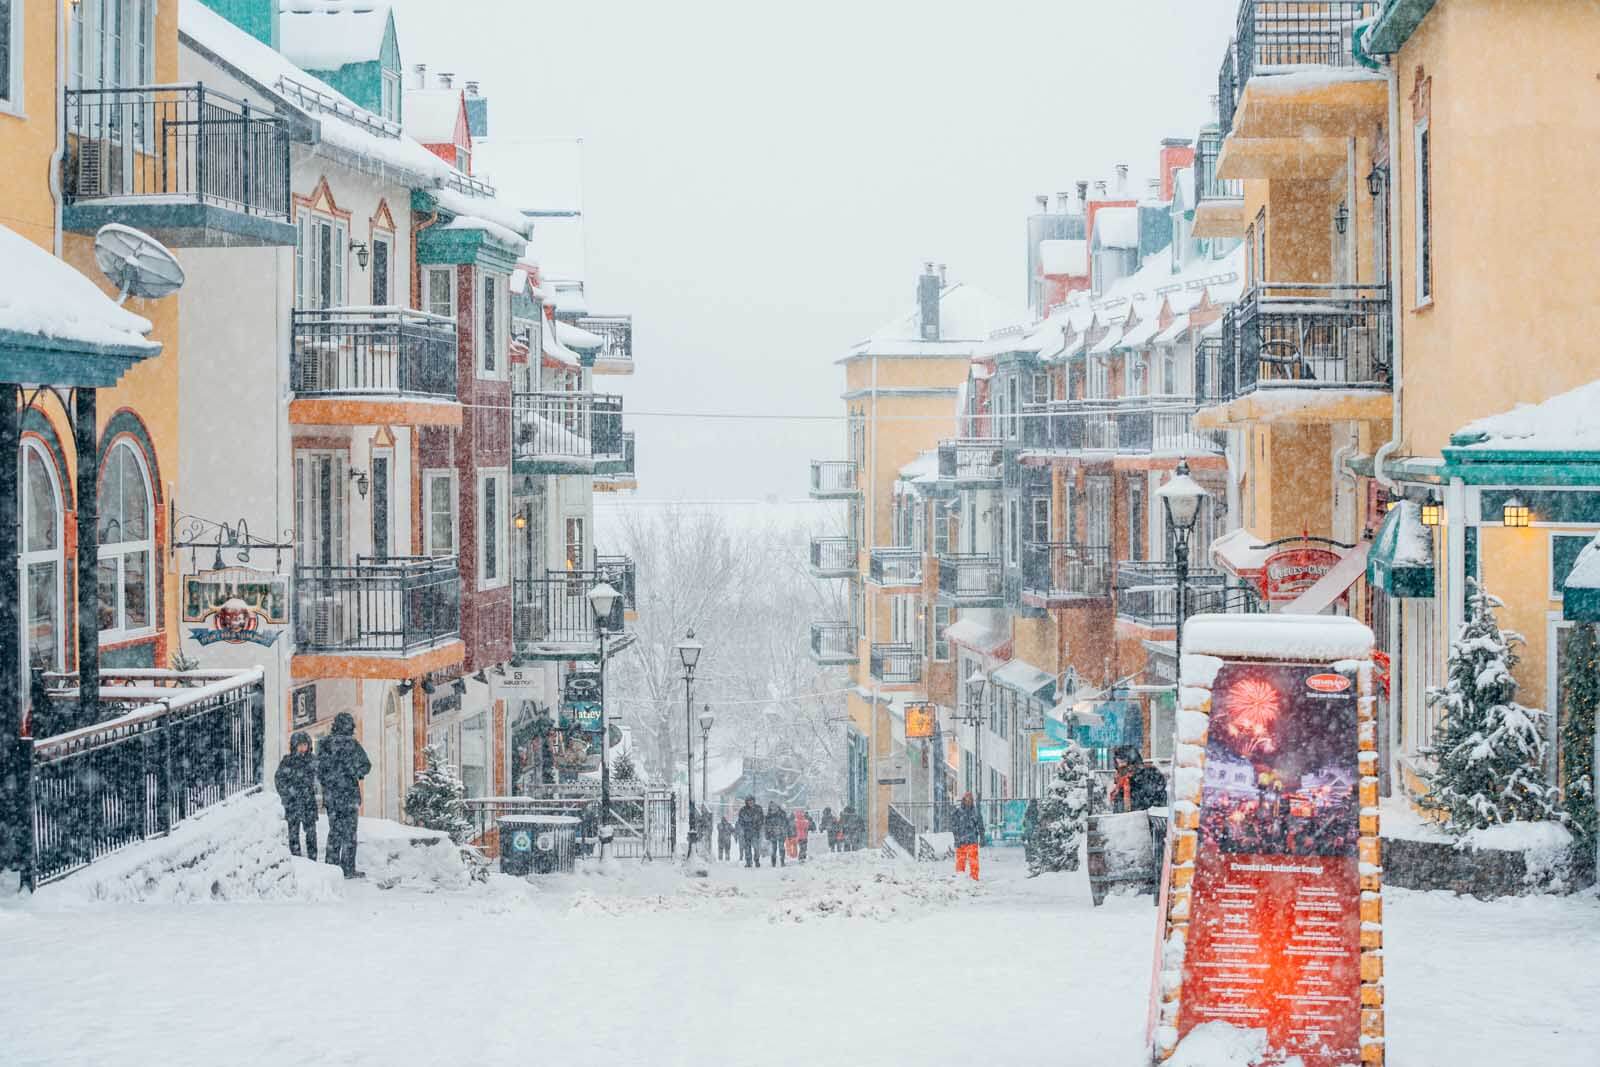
point(1564, 422)
point(1287, 637)
point(395, 855)
point(880, 897)
point(1220, 1044)
point(1546, 849)
point(42, 295)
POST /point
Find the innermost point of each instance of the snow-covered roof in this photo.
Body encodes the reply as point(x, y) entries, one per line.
point(557, 247)
point(1585, 573)
point(431, 114)
point(326, 34)
point(44, 297)
point(980, 631)
point(1064, 257)
point(569, 298)
point(1183, 182)
point(1289, 637)
point(925, 468)
point(1108, 342)
point(1140, 333)
point(555, 350)
point(577, 338)
point(1117, 227)
point(1174, 332)
point(967, 317)
point(1564, 423)
point(492, 209)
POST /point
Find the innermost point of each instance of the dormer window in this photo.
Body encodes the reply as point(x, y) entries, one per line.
point(391, 95)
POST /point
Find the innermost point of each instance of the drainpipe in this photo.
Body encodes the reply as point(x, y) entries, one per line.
point(53, 179)
point(1396, 333)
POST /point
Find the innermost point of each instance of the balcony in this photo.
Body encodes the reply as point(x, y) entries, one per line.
point(834, 479)
point(392, 607)
point(567, 433)
point(974, 463)
point(623, 575)
point(971, 580)
point(1147, 591)
point(1058, 573)
point(1310, 338)
point(552, 614)
point(616, 355)
point(896, 664)
point(896, 567)
point(833, 644)
point(1138, 425)
point(372, 365)
point(833, 557)
point(1219, 202)
point(614, 474)
point(192, 166)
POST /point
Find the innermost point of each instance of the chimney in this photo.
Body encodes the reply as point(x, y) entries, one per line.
point(1083, 198)
point(1100, 189)
point(445, 79)
point(941, 276)
point(1122, 177)
point(1044, 204)
point(1063, 202)
point(422, 75)
point(928, 302)
point(1155, 188)
point(1216, 107)
point(472, 88)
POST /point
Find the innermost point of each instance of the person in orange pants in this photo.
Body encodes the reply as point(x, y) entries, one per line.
point(968, 827)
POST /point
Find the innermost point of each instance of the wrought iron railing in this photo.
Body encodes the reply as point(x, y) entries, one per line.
point(833, 642)
point(186, 143)
point(833, 555)
point(100, 788)
point(974, 459)
point(622, 573)
point(896, 664)
point(1273, 34)
point(393, 605)
point(1162, 425)
point(833, 477)
point(618, 333)
point(1227, 90)
point(904, 834)
point(563, 426)
point(970, 578)
point(555, 609)
point(895, 566)
point(1208, 365)
point(1207, 186)
point(372, 351)
point(1305, 335)
point(1066, 570)
point(1147, 590)
point(624, 467)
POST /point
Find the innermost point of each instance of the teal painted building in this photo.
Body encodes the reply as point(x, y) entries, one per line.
point(355, 50)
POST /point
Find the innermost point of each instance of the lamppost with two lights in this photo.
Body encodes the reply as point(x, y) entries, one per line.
point(602, 598)
point(689, 654)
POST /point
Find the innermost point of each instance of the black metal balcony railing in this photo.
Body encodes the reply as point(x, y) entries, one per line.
point(103, 787)
point(895, 664)
point(1273, 34)
point(623, 575)
point(395, 605)
point(1066, 571)
point(978, 460)
point(1127, 425)
point(1227, 90)
point(1208, 387)
point(1306, 336)
point(833, 556)
point(896, 566)
point(182, 142)
point(555, 609)
point(1147, 590)
point(833, 642)
point(1207, 186)
point(972, 579)
point(623, 467)
point(618, 333)
point(833, 478)
point(567, 426)
point(373, 352)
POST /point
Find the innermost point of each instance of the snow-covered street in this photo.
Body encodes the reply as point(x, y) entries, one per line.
point(848, 959)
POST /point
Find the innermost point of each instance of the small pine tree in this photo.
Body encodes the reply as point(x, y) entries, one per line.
point(1063, 814)
point(624, 770)
point(1490, 749)
point(435, 799)
point(1580, 690)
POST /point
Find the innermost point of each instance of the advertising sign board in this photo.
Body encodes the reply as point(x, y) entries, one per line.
point(920, 720)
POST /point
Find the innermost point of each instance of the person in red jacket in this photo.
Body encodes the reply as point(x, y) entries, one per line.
point(802, 827)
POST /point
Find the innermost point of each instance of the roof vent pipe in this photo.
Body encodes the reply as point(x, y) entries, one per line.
point(422, 75)
point(928, 303)
point(1122, 177)
point(1044, 203)
point(472, 88)
point(445, 79)
point(1063, 202)
point(1083, 197)
point(1100, 189)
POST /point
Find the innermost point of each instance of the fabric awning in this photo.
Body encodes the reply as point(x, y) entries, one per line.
point(1401, 560)
point(1024, 678)
point(1240, 553)
point(1331, 586)
point(1580, 600)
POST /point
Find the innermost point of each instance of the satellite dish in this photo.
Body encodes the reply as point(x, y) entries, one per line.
point(136, 263)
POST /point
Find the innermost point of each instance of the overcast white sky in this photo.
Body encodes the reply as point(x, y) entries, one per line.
point(761, 184)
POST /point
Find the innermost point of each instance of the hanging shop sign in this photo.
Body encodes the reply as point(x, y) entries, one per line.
point(302, 706)
point(1048, 753)
point(445, 700)
point(235, 605)
point(1274, 937)
point(921, 721)
point(1120, 722)
point(1287, 574)
point(581, 702)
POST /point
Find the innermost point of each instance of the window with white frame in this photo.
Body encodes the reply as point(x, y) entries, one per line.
point(1423, 215)
point(41, 559)
point(109, 46)
point(439, 291)
point(493, 322)
point(576, 542)
point(439, 502)
point(391, 95)
point(902, 618)
point(493, 507)
point(1039, 520)
point(1099, 378)
point(941, 624)
point(382, 268)
point(11, 55)
point(127, 544)
point(1013, 406)
point(1136, 516)
point(322, 245)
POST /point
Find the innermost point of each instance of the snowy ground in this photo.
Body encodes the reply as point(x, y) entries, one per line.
point(846, 960)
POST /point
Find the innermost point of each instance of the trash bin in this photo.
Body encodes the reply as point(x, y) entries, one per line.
point(537, 844)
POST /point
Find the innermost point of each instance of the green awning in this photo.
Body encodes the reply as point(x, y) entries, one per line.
point(1580, 595)
point(1401, 560)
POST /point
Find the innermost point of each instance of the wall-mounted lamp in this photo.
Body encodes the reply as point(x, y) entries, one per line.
point(405, 687)
point(1432, 511)
point(1377, 178)
point(521, 521)
point(1515, 513)
point(1341, 217)
point(460, 686)
point(481, 677)
point(428, 686)
point(360, 249)
point(1390, 503)
point(360, 478)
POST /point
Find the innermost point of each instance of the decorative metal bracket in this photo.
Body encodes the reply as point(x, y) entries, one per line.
point(197, 533)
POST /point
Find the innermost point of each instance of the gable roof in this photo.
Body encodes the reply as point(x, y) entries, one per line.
point(967, 316)
point(327, 34)
point(432, 116)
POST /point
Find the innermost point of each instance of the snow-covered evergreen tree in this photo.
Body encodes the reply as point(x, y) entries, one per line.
point(435, 799)
point(1490, 749)
point(1063, 814)
point(1580, 691)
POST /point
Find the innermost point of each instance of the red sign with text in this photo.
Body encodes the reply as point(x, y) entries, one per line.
point(1274, 930)
point(1287, 574)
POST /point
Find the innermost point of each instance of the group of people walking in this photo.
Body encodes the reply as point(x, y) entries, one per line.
point(785, 834)
point(338, 768)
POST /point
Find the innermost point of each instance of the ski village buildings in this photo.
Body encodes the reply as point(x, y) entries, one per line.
point(1323, 304)
point(348, 465)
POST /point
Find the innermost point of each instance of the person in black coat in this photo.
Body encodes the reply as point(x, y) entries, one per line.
point(749, 827)
point(967, 825)
point(829, 827)
point(341, 764)
point(1138, 786)
point(724, 838)
point(779, 829)
point(296, 782)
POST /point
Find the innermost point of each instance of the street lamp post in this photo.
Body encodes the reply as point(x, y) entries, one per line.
point(975, 687)
point(1181, 498)
point(689, 654)
point(601, 599)
point(706, 719)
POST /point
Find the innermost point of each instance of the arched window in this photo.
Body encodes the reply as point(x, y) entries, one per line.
point(127, 544)
point(41, 563)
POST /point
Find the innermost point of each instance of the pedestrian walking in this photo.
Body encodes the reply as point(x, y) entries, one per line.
point(724, 838)
point(1138, 786)
point(779, 829)
point(968, 826)
point(296, 782)
point(854, 830)
point(749, 828)
point(802, 830)
point(829, 827)
point(341, 764)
